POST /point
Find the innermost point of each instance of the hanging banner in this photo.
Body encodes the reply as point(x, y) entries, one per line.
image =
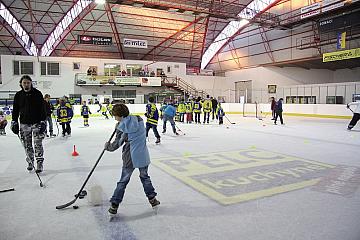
point(311, 10)
point(341, 55)
point(329, 5)
point(84, 39)
point(135, 43)
point(150, 81)
point(82, 79)
point(341, 39)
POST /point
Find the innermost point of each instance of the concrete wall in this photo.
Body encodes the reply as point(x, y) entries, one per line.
point(285, 78)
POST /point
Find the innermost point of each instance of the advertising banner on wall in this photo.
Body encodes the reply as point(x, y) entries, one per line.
point(150, 81)
point(311, 10)
point(82, 79)
point(341, 55)
point(135, 43)
point(127, 81)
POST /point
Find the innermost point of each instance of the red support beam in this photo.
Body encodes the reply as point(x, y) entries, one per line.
point(114, 29)
point(206, 22)
point(74, 24)
point(4, 43)
point(204, 39)
point(266, 44)
point(32, 23)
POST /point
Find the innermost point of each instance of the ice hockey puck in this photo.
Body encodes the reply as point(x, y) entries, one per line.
point(227, 127)
point(75, 207)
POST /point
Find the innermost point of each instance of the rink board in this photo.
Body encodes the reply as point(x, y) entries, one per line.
point(243, 175)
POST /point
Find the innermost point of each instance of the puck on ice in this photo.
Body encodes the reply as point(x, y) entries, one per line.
point(227, 127)
point(75, 207)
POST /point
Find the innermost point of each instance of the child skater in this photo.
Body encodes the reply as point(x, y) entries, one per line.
point(65, 114)
point(85, 112)
point(3, 123)
point(220, 114)
point(152, 115)
point(135, 154)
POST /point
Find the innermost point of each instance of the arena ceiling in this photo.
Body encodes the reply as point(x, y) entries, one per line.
point(175, 30)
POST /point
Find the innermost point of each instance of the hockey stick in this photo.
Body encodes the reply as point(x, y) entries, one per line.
point(41, 183)
point(179, 130)
point(7, 190)
point(229, 120)
point(87, 179)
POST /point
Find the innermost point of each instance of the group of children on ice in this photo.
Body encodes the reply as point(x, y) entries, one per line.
point(193, 108)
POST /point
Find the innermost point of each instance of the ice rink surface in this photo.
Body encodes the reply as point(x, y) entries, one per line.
point(250, 180)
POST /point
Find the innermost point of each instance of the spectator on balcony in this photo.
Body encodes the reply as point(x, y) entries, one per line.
point(152, 74)
point(123, 73)
point(142, 73)
point(89, 71)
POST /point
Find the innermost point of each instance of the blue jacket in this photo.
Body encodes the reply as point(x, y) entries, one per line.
point(134, 127)
point(170, 110)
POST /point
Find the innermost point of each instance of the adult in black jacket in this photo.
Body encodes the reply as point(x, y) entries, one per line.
point(30, 108)
point(214, 104)
point(279, 110)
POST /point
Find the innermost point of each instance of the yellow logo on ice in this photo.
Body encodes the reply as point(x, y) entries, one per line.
point(238, 176)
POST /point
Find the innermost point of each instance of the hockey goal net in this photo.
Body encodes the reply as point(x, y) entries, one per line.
point(251, 110)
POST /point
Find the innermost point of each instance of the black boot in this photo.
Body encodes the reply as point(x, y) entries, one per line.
point(113, 209)
point(154, 202)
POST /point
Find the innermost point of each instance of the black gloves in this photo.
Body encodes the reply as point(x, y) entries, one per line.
point(15, 127)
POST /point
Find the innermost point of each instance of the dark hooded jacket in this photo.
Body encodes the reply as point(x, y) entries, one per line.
point(29, 106)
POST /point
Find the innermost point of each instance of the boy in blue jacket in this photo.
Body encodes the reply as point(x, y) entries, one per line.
point(131, 133)
point(169, 114)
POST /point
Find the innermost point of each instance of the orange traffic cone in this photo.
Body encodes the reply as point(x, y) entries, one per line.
point(75, 153)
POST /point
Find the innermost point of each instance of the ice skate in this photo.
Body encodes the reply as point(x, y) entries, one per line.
point(154, 204)
point(113, 210)
point(157, 141)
